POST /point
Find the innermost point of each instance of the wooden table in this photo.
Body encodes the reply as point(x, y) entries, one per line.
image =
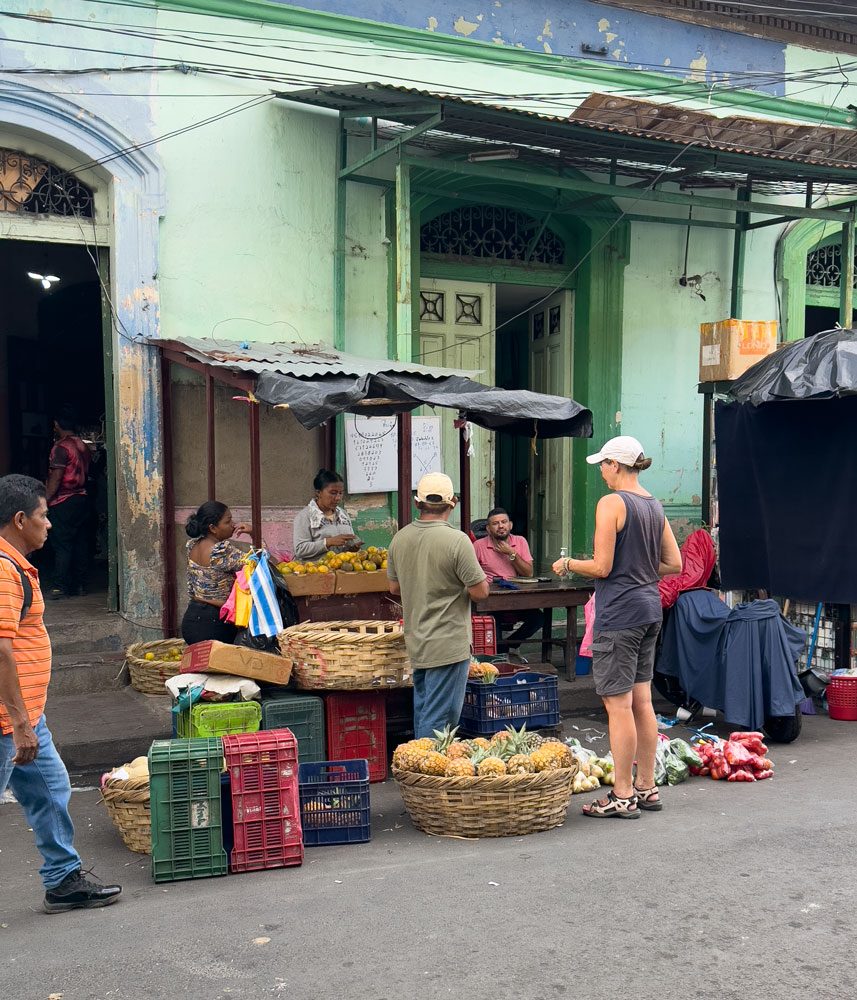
point(546, 596)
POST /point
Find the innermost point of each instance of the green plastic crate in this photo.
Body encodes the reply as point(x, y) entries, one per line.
point(304, 715)
point(187, 829)
point(208, 719)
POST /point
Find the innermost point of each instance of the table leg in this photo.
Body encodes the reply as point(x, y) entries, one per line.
point(570, 643)
point(547, 630)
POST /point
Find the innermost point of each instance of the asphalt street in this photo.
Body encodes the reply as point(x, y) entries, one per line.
point(734, 891)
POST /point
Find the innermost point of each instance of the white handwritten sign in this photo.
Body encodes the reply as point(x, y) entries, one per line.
point(372, 452)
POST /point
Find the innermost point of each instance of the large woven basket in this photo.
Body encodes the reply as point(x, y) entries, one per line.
point(127, 802)
point(507, 806)
point(348, 655)
point(148, 676)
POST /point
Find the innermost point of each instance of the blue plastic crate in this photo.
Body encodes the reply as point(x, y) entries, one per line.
point(334, 798)
point(510, 701)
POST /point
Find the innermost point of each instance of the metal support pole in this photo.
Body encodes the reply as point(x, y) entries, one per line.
point(464, 478)
point(404, 329)
point(340, 201)
point(168, 532)
point(209, 437)
point(255, 477)
point(738, 248)
point(846, 276)
point(403, 433)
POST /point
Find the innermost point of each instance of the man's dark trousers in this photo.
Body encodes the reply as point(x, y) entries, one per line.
point(69, 541)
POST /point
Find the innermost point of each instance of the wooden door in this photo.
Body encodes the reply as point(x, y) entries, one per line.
point(457, 331)
point(551, 341)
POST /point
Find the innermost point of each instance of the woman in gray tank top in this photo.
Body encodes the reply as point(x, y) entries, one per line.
point(634, 546)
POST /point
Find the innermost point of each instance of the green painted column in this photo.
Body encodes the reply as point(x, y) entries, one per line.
point(404, 312)
point(339, 242)
point(846, 276)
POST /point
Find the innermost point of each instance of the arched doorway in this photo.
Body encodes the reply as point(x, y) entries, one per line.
point(74, 181)
point(549, 279)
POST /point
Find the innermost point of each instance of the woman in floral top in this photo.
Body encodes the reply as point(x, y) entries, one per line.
point(212, 562)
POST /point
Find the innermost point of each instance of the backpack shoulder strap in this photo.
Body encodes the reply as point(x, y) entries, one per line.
point(26, 586)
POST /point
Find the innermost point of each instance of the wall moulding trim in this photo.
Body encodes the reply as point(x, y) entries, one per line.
point(470, 50)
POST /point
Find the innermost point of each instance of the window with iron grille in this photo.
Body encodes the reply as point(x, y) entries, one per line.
point(824, 267)
point(34, 186)
point(493, 233)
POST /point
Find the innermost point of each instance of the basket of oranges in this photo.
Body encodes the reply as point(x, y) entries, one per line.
point(151, 663)
point(347, 655)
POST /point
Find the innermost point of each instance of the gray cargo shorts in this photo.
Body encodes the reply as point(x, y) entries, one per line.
point(624, 658)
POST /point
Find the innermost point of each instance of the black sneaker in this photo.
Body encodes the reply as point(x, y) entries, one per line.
point(77, 892)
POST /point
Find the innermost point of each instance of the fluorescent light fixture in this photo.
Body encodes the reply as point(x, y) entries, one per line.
point(46, 279)
point(480, 156)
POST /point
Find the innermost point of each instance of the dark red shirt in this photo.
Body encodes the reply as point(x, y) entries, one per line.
point(72, 456)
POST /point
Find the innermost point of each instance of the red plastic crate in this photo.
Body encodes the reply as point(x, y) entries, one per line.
point(484, 635)
point(266, 816)
point(357, 728)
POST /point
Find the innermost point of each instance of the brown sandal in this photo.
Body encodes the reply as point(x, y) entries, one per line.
point(613, 806)
point(648, 798)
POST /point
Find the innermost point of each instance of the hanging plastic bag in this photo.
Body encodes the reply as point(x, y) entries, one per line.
point(589, 618)
point(243, 600)
point(265, 617)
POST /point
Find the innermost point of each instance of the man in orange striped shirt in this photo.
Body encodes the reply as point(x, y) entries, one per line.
point(29, 762)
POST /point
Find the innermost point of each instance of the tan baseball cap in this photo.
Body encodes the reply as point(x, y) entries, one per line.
point(435, 487)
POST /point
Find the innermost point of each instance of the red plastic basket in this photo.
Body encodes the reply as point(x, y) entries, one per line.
point(484, 635)
point(357, 728)
point(266, 817)
point(842, 699)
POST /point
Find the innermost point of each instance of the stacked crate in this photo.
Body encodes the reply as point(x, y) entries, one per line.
point(266, 816)
point(334, 802)
point(303, 715)
point(823, 658)
point(357, 729)
point(187, 832)
point(207, 719)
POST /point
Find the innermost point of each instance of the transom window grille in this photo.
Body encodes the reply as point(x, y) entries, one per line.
point(36, 187)
point(824, 267)
point(492, 233)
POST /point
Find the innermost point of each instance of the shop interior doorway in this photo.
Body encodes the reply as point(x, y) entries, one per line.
point(52, 358)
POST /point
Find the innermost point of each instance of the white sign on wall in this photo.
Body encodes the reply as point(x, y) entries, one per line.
point(372, 452)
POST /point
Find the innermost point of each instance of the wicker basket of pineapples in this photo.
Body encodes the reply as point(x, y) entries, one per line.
point(515, 783)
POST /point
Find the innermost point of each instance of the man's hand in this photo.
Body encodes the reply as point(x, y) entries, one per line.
point(26, 744)
point(504, 548)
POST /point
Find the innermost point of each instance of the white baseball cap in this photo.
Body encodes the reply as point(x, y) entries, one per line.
point(435, 487)
point(624, 449)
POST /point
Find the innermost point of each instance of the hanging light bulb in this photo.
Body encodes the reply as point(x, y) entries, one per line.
point(46, 279)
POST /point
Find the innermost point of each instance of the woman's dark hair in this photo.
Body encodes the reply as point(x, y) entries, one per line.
point(210, 513)
point(640, 465)
point(325, 477)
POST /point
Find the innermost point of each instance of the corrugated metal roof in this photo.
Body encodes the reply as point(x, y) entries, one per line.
point(606, 129)
point(298, 360)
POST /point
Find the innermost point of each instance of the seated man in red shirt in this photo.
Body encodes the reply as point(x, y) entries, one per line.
point(502, 554)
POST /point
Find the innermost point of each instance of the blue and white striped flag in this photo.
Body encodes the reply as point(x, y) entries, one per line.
point(265, 617)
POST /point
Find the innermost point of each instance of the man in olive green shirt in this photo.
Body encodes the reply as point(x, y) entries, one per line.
point(434, 568)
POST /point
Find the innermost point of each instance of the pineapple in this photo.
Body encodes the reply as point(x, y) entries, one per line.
point(408, 756)
point(457, 750)
point(460, 768)
point(545, 759)
point(443, 739)
point(491, 767)
point(560, 750)
point(480, 741)
point(501, 738)
point(520, 763)
point(424, 743)
point(434, 763)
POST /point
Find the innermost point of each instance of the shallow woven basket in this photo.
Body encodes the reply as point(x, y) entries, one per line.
point(127, 802)
point(148, 676)
point(347, 655)
point(507, 806)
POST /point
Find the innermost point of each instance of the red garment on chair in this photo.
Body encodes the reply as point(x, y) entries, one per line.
point(697, 561)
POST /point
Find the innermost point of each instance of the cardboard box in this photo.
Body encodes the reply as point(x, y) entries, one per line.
point(221, 658)
point(731, 346)
point(314, 584)
point(362, 583)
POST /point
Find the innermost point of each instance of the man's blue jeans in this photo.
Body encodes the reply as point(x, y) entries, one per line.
point(439, 697)
point(43, 789)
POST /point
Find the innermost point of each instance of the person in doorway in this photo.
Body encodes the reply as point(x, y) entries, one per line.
point(29, 762)
point(634, 547)
point(434, 568)
point(212, 562)
point(323, 526)
point(504, 555)
point(69, 508)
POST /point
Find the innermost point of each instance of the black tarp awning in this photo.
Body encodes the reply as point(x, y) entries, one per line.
point(517, 411)
point(820, 367)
